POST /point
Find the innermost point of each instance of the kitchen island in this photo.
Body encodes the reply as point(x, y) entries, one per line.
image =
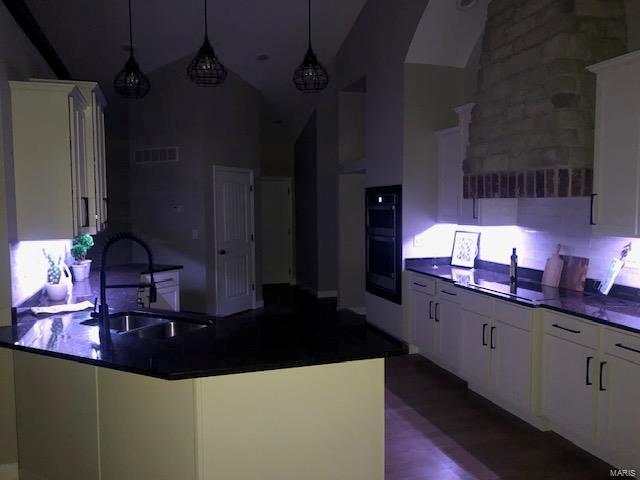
point(270, 397)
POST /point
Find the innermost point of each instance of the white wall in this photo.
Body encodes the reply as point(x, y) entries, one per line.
point(351, 241)
point(18, 60)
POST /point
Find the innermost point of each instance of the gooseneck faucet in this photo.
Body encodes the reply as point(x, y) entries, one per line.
point(103, 312)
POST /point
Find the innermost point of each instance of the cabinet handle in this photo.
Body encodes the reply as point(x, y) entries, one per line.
point(493, 347)
point(430, 305)
point(602, 364)
point(419, 284)
point(588, 376)
point(591, 220)
point(484, 334)
point(555, 325)
point(85, 204)
point(474, 212)
point(619, 345)
point(449, 293)
point(436, 312)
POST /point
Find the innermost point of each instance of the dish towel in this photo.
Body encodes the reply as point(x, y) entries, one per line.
point(70, 307)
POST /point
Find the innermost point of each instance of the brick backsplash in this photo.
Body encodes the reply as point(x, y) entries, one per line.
point(548, 182)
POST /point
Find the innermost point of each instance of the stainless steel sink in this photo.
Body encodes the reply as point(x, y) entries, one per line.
point(166, 330)
point(125, 322)
point(131, 321)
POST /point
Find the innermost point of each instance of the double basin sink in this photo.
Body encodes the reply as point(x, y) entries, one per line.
point(148, 325)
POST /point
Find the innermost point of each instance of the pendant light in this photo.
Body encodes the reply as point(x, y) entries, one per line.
point(205, 70)
point(310, 76)
point(130, 82)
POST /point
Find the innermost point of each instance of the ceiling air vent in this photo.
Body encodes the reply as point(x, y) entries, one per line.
point(148, 156)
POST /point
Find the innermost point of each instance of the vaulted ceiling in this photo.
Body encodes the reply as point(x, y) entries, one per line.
point(90, 35)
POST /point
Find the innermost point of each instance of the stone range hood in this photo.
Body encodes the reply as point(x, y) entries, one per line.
point(531, 133)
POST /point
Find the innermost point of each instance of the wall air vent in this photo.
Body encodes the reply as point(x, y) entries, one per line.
point(148, 156)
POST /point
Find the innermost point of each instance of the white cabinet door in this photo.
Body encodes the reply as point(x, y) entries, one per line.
point(617, 151)
point(619, 420)
point(475, 348)
point(511, 364)
point(449, 335)
point(569, 398)
point(424, 325)
point(450, 153)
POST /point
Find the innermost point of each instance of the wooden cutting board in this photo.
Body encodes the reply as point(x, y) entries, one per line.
point(574, 273)
point(553, 269)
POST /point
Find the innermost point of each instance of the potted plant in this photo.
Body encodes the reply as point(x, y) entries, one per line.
point(79, 248)
point(56, 285)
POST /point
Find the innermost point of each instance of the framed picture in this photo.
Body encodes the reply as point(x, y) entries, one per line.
point(465, 249)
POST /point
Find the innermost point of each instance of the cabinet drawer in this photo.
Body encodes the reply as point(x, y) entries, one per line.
point(514, 315)
point(423, 284)
point(477, 303)
point(448, 291)
point(571, 328)
point(623, 345)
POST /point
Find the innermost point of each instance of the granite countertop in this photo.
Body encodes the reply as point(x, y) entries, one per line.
point(224, 346)
point(591, 305)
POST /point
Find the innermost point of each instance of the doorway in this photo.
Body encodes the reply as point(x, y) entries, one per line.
point(277, 230)
point(234, 240)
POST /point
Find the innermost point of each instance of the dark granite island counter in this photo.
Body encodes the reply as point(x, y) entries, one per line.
point(299, 396)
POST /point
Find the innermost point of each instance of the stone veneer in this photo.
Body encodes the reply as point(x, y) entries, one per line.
point(531, 133)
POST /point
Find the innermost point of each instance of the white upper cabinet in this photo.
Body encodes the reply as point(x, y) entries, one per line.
point(49, 153)
point(96, 167)
point(616, 202)
point(449, 174)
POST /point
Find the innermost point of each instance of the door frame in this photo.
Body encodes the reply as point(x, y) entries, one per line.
point(252, 224)
point(292, 255)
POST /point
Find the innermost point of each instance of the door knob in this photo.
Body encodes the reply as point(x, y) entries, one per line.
point(222, 252)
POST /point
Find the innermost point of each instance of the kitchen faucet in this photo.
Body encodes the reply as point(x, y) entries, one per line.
point(103, 313)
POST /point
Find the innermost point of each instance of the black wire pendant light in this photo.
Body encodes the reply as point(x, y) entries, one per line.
point(205, 70)
point(310, 76)
point(130, 82)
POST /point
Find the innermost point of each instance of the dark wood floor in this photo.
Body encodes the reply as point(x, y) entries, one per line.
point(437, 429)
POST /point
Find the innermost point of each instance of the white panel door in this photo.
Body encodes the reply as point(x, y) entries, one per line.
point(450, 335)
point(233, 194)
point(569, 399)
point(475, 348)
point(511, 364)
point(276, 230)
point(619, 421)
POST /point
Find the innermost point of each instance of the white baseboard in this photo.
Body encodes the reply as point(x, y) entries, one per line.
point(9, 471)
point(358, 310)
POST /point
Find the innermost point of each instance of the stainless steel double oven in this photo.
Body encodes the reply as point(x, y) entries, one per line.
point(384, 242)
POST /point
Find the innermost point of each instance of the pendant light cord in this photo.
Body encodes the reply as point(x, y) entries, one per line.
point(206, 21)
point(309, 21)
point(130, 31)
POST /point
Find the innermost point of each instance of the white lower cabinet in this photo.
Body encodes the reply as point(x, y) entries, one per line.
point(437, 328)
point(511, 365)
point(497, 358)
point(619, 398)
point(554, 370)
point(569, 391)
point(475, 352)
